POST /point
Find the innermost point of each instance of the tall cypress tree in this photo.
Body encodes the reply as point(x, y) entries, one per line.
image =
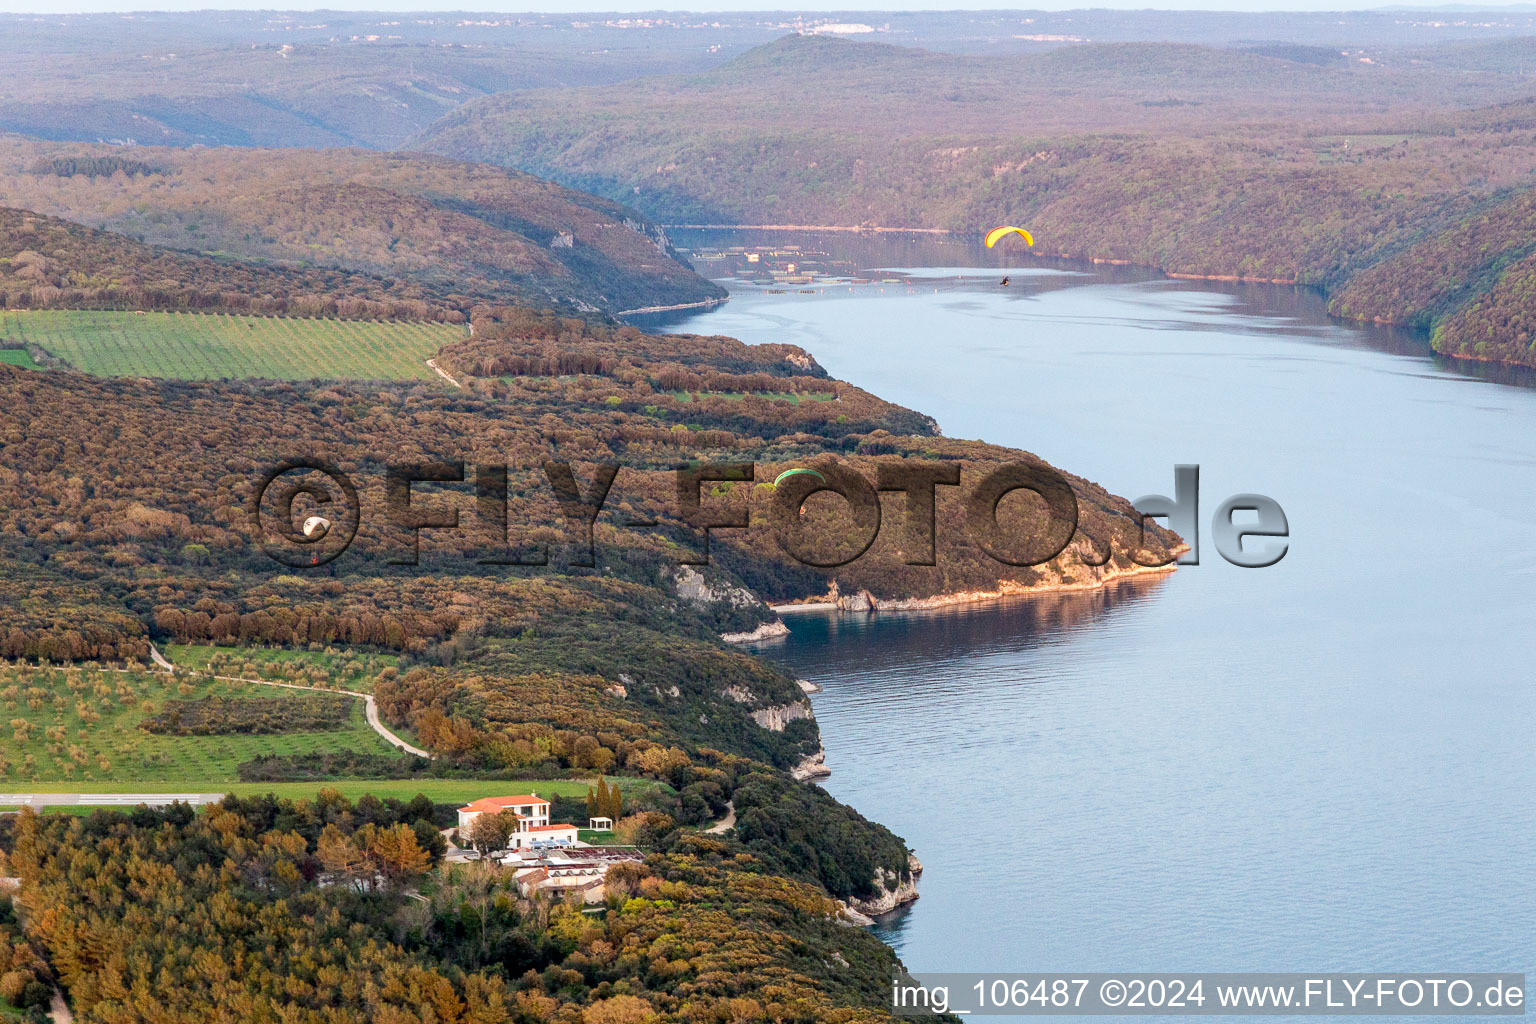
point(602, 796)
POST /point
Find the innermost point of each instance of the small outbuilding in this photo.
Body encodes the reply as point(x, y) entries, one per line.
point(600, 824)
point(544, 835)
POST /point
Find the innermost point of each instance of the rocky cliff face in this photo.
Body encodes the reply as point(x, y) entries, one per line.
point(891, 890)
point(813, 766)
point(775, 718)
point(863, 601)
point(693, 587)
point(1076, 576)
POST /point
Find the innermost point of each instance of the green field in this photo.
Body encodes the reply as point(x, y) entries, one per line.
point(194, 346)
point(78, 730)
point(332, 667)
point(18, 357)
point(443, 791)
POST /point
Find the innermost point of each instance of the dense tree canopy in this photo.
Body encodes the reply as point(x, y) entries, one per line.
point(375, 228)
point(320, 911)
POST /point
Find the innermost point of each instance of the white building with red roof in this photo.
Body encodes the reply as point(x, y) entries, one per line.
point(533, 825)
point(530, 809)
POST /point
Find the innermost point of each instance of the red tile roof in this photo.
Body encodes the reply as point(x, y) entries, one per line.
point(501, 803)
point(550, 828)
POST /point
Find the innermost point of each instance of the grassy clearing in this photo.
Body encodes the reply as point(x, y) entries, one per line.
point(18, 357)
point(438, 790)
point(199, 346)
point(79, 729)
point(347, 670)
point(241, 716)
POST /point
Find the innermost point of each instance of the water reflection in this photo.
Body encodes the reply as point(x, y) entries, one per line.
point(883, 668)
point(1006, 627)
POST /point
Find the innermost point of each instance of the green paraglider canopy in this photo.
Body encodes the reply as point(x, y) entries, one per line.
point(796, 472)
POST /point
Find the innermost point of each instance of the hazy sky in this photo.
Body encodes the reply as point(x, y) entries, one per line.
point(567, 6)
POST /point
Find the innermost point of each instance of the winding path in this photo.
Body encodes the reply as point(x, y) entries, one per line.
point(443, 373)
point(726, 823)
point(370, 706)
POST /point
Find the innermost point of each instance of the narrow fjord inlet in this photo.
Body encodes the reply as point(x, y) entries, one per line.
point(1221, 765)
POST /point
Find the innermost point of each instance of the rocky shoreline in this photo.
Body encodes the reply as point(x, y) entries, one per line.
point(864, 601)
point(812, 766)
point(891, 893)
point(701, 304)
point(766, 631)
point(859, 229)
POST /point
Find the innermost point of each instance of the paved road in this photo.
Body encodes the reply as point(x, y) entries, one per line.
point(104, 799)
point(371, 712)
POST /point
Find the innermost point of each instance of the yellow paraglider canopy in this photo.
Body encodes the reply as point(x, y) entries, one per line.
point(996, 235)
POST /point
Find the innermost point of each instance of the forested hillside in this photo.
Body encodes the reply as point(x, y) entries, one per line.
point(416, 225)
point(281, 911)
point(537, 387)
point(1385, 182)
point(184, 88)
point(127, 520)
point(49, 263)
point(265, 78)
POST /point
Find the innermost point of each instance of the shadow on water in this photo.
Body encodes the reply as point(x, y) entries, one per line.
point(865, 651)
point(888, 928)
point(1305, 305)
point(894, 638)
